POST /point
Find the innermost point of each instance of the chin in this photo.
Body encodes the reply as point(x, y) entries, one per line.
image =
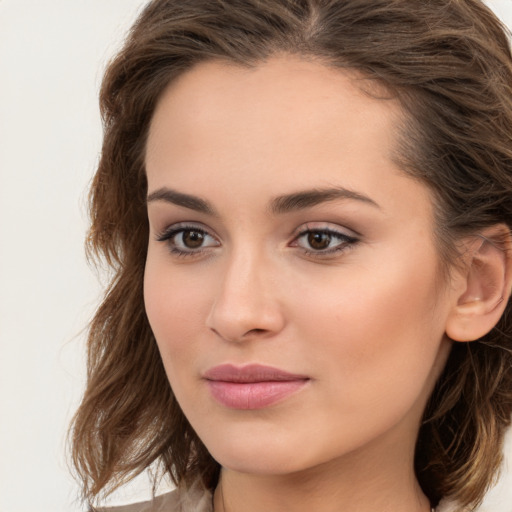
point(260, 462)
point(255, 454)
point(271, 453)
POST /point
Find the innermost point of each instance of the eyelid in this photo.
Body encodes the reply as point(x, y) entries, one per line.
point(346, 240)
point(325, 226)
point(169, 230)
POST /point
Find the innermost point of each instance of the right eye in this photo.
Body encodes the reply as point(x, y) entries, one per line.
point(187, 240)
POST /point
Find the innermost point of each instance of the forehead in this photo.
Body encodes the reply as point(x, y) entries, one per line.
point(285, 101)
point(243, 135)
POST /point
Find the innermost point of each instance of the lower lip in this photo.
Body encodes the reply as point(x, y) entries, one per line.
point(253, 395)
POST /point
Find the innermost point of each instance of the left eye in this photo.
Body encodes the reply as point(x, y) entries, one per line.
point(323, 241)
point(183, 240)
point(190, 239)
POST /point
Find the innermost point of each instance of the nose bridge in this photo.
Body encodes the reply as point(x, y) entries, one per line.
point(246, 301)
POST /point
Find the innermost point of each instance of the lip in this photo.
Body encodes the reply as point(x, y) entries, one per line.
point(252, 386)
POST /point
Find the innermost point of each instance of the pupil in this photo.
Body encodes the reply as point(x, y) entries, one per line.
point(193, 239)
point(319, 240)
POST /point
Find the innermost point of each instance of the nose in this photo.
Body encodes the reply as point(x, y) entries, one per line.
point(246, 305)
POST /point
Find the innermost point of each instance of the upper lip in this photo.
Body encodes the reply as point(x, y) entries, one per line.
point(250, 373)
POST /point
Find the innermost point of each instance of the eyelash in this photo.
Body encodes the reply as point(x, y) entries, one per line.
point(345, 241)
point(170, 233)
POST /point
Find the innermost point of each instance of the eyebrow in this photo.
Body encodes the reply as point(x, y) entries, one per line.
point(178, 198)
point(279, 205)
point(308, 198)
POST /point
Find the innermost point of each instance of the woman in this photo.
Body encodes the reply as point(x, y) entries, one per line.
point(307, 205)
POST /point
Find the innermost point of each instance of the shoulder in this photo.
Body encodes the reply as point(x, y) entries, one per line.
point(168, 502)
point(193, 499)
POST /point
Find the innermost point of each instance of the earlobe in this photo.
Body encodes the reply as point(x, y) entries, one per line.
point(487, 285)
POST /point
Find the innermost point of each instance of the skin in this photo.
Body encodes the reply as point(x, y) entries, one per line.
point(365, 323)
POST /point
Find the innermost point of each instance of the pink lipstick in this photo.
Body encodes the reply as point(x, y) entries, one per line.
point(253, 386)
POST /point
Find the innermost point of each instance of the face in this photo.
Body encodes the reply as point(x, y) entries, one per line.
point(292, 278)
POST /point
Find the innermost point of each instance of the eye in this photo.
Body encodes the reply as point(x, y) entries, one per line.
point(319, 240)
point(323, 241)
point(187, 240)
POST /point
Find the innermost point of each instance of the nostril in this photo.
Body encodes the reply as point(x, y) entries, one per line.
point(244, 336)
point(255, 331)
point(236, 318)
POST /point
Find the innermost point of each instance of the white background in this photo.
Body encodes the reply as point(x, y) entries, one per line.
point(52, 54)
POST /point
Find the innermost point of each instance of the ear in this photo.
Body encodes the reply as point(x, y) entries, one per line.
point(485, 281)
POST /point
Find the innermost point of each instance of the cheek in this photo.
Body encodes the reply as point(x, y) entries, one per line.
point(376, 332)
point(176, 308)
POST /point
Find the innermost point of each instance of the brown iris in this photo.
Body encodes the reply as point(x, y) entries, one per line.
point(192, 239)
point(318, 240)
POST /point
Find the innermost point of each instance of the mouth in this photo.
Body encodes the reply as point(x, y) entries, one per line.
point(253, 386)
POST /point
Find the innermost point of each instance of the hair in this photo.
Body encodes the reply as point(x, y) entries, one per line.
point(449, 64)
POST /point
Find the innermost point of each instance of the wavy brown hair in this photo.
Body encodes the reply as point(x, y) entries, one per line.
point(449, 64)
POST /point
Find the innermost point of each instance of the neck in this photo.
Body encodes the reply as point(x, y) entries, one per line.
point(337, 486)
